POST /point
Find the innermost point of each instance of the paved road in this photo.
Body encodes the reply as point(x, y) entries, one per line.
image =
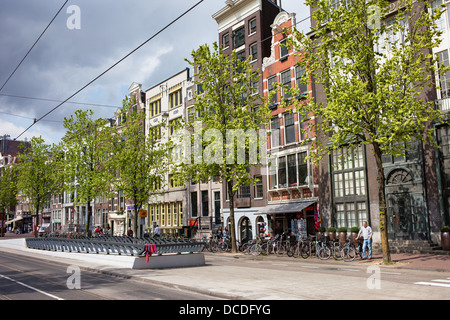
point(26, 278)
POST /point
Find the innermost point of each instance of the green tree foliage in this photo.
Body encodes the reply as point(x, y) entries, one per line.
point(141, 163)
point(8, 189)
point(37, 174)
point(376, 69)
point(87, 166)
point(225, 133)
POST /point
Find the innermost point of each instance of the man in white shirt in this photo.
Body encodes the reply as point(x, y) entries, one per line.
point(366, 232)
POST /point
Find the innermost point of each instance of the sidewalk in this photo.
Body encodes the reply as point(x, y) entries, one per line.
point(227, 275)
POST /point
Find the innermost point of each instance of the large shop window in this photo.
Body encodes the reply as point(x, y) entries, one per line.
point(289, 171)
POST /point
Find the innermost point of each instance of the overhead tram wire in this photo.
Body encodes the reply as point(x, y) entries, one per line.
point(34, 44)
point(114, 65)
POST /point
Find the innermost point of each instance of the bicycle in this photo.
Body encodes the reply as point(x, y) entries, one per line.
point(315, 247)
point(351, 250)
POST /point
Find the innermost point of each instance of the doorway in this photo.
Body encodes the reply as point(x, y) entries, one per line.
point(246, 230)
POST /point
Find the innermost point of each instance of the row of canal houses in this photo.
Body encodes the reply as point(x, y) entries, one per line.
point(292, 195)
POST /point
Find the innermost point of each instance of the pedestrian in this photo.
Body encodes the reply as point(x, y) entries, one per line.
point(130, 232)
point(219, 232)
point(157, 231)
point(366, 232)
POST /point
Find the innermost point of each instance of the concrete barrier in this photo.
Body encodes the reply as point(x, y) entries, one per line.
point(170, 261)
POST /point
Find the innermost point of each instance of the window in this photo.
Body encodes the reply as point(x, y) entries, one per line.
point(155, 108)
point(281, 172)
point(348, 172)
point(289, 127)
point(292, 170)
point(272, 88)
point(284, 51)
point(444, 79)
point(259, 192)
point(173, 183)
point(299, 74)
point(172, 126)
point(175, 99)
point(252, 26)
point(194, 204)
point(302, 168)
point(226, 40)
point(253, 51)
point(286, 81)
point(205, 204)
point(351, 214)
point(275, 138)
point(255, 87)
point(238, 37)
point(441, 21)
point(243, 191)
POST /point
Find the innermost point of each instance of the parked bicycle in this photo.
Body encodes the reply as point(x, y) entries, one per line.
point(351, 250)
point(317, 247)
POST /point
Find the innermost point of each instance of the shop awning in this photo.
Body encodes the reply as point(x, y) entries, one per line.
point(14, 220)
point(286, 207)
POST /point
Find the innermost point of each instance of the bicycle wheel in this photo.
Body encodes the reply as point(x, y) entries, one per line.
point(336, 251)
point(213, 247)
point(255, 250)
point(348, 254)
point(223, 247)
point(290, 251)
point(304, 250)
point(281, 250)
point(324, 253)
point(265, 249)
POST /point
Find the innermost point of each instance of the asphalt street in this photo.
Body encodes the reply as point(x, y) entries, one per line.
point(26, 278)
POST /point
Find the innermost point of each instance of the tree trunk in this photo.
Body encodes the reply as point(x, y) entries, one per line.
point(232, 226)
point(36, 222)
point(88, 220)
point(381, 179)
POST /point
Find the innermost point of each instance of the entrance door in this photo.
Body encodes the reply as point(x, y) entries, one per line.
point(400, 213)
point(246, 230)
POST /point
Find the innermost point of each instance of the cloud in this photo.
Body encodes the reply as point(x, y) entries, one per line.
point(64, 60)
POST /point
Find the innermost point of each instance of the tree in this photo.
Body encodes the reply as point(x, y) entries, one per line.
point(230, 116)
point(141, 162)
point(376, 74)
point(87, 165)
point(37, 174)
point(8, 191)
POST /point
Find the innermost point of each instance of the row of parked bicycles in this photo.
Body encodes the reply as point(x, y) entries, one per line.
point(323, 248)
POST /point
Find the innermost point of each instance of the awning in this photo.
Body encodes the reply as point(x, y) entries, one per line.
point(286, 207)
point(14, 220)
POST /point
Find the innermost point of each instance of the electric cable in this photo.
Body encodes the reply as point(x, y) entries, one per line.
point(111, 67)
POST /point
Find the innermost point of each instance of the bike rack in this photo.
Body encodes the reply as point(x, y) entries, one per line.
point(115, 245)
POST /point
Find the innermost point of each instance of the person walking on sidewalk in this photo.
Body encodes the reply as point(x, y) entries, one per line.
point(366, 232)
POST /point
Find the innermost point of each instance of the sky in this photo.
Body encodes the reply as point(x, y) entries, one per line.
point(65, 59)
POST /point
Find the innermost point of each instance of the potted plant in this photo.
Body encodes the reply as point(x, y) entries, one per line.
point(445, 238)
point(332, 233)
point(354, 232)
point(320, 232)
point(342, 234)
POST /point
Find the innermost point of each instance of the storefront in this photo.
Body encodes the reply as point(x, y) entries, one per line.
point(249, 223)
point(292, 218)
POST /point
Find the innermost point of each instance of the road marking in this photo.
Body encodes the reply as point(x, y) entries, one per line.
point(310, 267)
point(32, 288)
point(441, 280)
point(387, 272)
point(434, 284)
point(347, 269)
